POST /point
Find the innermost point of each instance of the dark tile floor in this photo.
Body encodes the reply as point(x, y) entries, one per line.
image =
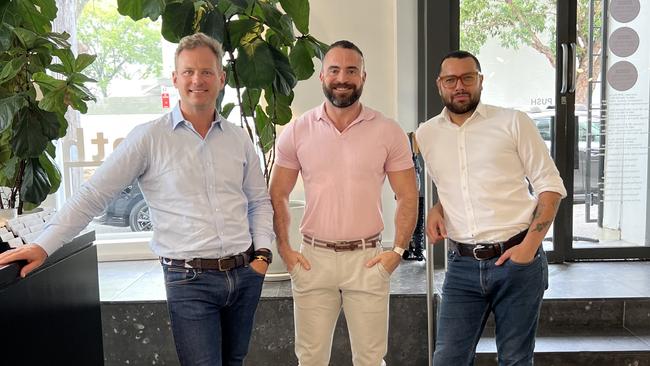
point(142, 280)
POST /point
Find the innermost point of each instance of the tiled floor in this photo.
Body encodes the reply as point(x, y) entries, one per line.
point(142, 281)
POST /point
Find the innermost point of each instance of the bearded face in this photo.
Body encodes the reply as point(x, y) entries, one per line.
point(342, 95)
point(342, 77)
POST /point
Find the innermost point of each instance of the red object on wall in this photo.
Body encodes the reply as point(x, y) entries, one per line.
point(165, 100)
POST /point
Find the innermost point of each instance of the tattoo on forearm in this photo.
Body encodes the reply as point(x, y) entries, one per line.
point(541, 226)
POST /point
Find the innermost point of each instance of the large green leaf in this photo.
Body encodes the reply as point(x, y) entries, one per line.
point(278, 106)
point(227, 108)
point(5, 150)
point(299, 11)
point(5, 37)
point(243, 4)
point(264, 129)
point(250, 99)
point(26, 37)
point(67, 59)
point(300, 58)
point(213, 24)
point(32, 15)
point(285, 79)
point(138, 9)
point(54, 93)
point(241, 31)
point(36, 184)
point(8, 108)
point(52, 171)
point(319, 48)
point(47, 7)
point(255, 64)
point(61, 40)
point(29, 140)
point(32, 131)
point(178, 20)
point(8, 170)
point(83, 61)
point(11, 69)
point(280, 23)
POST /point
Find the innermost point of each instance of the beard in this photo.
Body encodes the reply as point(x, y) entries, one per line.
point(462, 108)
point(342, 102)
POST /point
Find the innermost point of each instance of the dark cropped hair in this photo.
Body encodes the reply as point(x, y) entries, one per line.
point(460, 54)
point(347, 45)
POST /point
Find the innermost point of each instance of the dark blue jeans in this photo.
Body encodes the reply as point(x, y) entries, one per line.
point(472, 289)
point(212, 313)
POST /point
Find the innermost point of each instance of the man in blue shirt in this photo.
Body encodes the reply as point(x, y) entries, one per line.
point(212, 216)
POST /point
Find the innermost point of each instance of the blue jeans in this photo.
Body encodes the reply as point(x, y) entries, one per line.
point(472, 289)
point(212, 313)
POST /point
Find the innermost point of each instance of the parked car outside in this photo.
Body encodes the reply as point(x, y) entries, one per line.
point(128, 209)
point(545, 119)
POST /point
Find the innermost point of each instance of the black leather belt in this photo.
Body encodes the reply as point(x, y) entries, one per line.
point(217, 264)
point(483, 251)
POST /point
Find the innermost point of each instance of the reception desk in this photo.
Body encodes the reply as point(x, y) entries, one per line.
point(52, 317)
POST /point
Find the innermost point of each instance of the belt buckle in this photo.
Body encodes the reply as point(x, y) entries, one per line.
point(344, 245)
point(476, 248)
point(220, 267)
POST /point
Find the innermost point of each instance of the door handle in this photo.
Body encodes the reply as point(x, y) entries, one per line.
point(574, 69)
point(565, 68)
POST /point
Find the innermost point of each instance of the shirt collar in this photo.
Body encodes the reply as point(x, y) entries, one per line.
point(479, 112)
point(365, 115)
point(177, 118)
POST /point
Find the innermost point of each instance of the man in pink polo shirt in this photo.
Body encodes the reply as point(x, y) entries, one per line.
point(344, 152)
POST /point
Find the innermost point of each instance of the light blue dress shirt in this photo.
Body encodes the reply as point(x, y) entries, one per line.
point(207, 197)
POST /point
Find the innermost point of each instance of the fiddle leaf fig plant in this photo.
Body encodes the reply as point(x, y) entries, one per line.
point(265, 55)
point(40, 77)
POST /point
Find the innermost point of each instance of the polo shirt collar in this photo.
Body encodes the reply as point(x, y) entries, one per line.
point(365, 115)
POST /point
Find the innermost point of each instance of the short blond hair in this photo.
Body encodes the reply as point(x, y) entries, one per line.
point(199, 40)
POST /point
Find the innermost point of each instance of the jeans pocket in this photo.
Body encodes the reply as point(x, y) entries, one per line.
point(256, 273)
point(179, 276)
point(535, 259)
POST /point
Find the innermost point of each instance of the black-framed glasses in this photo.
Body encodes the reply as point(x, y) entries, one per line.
point(468, 79)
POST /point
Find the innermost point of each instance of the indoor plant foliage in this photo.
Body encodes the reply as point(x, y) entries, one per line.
point(32, 101)
point(265, 57)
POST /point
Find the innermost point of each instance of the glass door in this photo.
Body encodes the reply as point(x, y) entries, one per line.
point(516, 43)
point(611, 210)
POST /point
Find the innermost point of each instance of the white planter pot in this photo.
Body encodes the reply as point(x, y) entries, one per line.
point(277, 270)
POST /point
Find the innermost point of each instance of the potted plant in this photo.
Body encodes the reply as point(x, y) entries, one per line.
point(265, 58)
point(33, 101)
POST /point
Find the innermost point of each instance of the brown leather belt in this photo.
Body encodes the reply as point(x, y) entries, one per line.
point(483, 251)
point(343, 245)
point(217, 264)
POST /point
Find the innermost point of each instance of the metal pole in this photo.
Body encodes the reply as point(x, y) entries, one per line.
point(428, 190)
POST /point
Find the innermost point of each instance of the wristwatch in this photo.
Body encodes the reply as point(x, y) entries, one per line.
point(399, 250)
point(264, 255)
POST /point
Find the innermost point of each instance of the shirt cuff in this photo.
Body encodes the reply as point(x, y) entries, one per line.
point(262, 241)
point(50, 241)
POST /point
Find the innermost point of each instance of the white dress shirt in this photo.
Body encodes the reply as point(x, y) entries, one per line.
point(207, 196)
point(480, 170)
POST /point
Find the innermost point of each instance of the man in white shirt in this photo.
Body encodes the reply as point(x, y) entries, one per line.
point(482, 159)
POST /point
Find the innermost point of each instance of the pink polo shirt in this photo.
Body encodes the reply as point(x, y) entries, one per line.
point(343, 172)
